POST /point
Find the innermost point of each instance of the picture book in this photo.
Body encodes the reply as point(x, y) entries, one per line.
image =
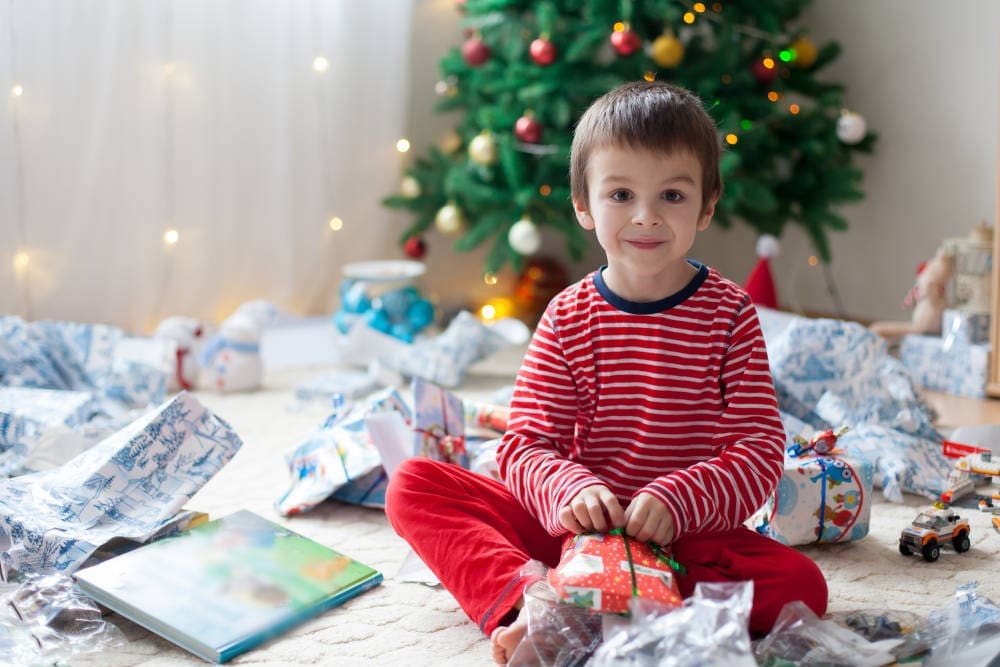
point(227, 585)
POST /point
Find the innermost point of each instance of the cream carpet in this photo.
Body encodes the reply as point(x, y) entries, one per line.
point(403, 623)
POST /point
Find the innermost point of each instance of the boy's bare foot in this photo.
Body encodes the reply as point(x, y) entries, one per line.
point(505, 639)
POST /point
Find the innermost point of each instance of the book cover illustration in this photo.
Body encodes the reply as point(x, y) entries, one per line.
point(227, 585)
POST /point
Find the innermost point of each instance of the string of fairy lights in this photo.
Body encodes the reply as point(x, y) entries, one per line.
point(29, 258)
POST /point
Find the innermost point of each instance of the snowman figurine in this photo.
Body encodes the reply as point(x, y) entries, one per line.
point(231, 360)
point(184, 335)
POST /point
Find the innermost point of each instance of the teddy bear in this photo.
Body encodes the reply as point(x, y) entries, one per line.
point(928, 298)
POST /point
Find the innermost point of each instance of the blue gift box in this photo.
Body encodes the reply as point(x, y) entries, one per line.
point(946, 363)
point(967, 326)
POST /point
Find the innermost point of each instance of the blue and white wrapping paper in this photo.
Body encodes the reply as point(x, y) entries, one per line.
point(965, 325)
point(835, 372)
point(130, 485)
point(946, 363)
point(82, 357)
point(339, 460)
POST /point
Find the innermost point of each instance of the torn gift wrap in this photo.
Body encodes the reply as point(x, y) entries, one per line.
point(130, 485)
point(439, 424)
point(340, 460)
point(604, 571)
point(819, 499)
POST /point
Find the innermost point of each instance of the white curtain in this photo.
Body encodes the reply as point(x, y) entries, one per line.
point(124, 119)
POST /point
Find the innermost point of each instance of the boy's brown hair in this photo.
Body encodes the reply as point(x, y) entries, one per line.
point(655, 116)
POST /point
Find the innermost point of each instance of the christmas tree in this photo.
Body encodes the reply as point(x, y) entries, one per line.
point(528, 69)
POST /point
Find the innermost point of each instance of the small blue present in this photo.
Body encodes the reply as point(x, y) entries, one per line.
point(966, 326)
point(946, 364)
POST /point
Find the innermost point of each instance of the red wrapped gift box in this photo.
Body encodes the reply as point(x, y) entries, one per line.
point(603, 572)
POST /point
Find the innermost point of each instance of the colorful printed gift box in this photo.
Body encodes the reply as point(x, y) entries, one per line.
point(947, 363)
point(820, 499)
point(603, 572)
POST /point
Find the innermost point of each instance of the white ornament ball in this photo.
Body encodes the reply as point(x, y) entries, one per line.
point(449, 219)
point(410, 187)
point(851, 127)
point(524, 237)
point(483, 149)
point(768, 246)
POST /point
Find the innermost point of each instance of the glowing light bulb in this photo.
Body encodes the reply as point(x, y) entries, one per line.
point(17, 90)
point(746, 124)
point(488, 312)
point(689, 17)
point(320, 64)
point(545, 190)
point(171, 237)
point(786, 55)
point(649, 76)
point(716, 7)
point(813, 260)
point(403, 145)
point(731, 139)
point(773, 96)
point(619, 27)
point(490, 278)
point(21, 261)
point(768, 63)
point(336, 224)
point(794, 109)
point(699, 7)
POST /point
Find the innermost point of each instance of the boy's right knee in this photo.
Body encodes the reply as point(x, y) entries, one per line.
point(411, 476)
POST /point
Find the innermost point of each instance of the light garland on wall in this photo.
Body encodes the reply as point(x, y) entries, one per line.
point(22, 256)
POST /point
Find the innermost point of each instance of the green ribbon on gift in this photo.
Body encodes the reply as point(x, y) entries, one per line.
point(659, 551)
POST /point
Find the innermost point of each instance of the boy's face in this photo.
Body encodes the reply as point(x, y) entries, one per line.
point(646, 209)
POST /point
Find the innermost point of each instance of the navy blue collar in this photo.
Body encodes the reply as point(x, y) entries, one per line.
point(650, 307)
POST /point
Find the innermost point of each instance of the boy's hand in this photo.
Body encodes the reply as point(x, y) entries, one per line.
point(648, 520)
point(590, 511)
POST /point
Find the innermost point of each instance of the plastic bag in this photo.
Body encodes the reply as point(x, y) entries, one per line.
point(799, 637)
point(966, 631)
point(44, 619)
point(710, 628)
point(558, 635)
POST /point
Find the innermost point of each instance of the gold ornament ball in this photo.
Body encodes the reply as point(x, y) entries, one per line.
point(805, 52)
point(410, 187)
point(450, 143)
point(482, 149)
point(667, 51)
point(449, 219)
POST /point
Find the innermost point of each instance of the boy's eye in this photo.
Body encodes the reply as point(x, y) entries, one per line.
point(673, 195)
point(621, 195)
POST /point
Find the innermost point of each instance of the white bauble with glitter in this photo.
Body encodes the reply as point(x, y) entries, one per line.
point(524, 237)
point(851, 127)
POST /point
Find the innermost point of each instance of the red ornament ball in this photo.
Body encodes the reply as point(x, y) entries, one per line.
point(762, 72)
point(415, 247)
point(543, 52)
point(475, 52)
point(528, 130)
point(625, 42)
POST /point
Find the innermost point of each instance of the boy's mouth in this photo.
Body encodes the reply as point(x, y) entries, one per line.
point(645, 244)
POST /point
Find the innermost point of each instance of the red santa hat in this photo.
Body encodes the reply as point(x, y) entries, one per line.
point(760, 284)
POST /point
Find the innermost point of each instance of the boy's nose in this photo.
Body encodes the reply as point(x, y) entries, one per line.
point(647, 218)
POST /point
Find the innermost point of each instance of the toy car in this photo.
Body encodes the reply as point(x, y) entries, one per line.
point(933, 528)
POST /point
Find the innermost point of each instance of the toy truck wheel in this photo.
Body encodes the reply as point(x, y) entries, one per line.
point(905, 550)
point(931, 551)
point(961, 542)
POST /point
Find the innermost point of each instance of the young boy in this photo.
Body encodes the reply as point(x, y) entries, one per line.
point(644, 400)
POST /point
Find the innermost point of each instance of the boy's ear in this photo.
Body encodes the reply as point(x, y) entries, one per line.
point(706, 215)
point(582, 214)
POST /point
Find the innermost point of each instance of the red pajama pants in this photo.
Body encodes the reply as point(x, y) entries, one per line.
point(475, 536)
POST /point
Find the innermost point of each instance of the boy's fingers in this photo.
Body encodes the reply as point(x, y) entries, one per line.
point(569, 521)
point(615, 512)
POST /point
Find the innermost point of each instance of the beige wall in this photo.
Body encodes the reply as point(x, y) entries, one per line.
point(925, 76)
